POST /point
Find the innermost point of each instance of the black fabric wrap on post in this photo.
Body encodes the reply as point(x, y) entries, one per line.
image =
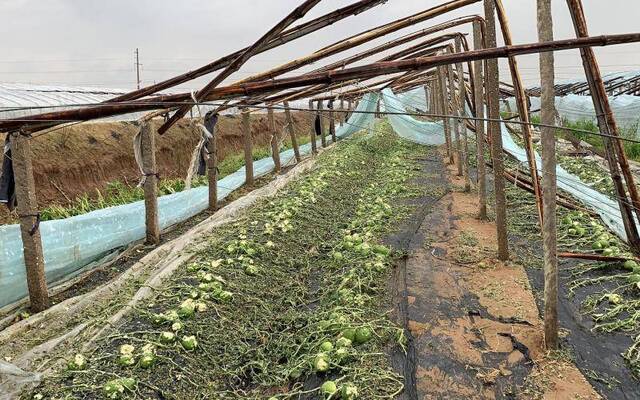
point(210, 121)
point(318, 125)
point(7, 180)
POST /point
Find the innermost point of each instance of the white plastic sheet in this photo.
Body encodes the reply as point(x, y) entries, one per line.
point(73, 243)
point(423, 132)
point(431, 133)
point(574, 108)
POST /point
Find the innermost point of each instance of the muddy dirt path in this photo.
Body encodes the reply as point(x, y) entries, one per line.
point(474, 326)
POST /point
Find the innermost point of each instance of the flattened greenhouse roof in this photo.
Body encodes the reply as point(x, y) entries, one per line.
point(16, 98)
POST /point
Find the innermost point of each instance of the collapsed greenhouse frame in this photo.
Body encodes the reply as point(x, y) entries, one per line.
point(436, 65)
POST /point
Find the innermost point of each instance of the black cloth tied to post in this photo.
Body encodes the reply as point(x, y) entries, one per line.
point(7, 180)
point(318, 125)
point(210, 121)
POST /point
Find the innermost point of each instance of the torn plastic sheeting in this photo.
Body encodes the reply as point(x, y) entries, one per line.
point(574, 108)
point(13, 380)
point(606, 208)
point(407, 127)
point(73, 243)
point(432, 134)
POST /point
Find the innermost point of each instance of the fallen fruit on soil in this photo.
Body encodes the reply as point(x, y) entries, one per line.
point(329, 388)
point(189, 342)
point(321, 363)
point(114, 389)
point(363, 335)
point(78, 363)
point(326, 346)
point(147, 360)
point(167, 337)
point(349, 391)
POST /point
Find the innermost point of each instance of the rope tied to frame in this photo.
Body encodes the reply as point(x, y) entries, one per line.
point(200, 152)
point(137, 153)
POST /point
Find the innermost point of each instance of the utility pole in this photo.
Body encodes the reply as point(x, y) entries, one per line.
point(138, 67)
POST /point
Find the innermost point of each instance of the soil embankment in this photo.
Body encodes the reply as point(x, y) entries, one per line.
point(80, 159)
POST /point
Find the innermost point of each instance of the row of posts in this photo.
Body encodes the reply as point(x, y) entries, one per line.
point(26, 189)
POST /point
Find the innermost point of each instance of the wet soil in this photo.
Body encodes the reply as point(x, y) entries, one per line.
point(597, 355)
point(473, 325)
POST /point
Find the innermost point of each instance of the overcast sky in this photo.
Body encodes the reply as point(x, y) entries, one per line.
point(92, 42)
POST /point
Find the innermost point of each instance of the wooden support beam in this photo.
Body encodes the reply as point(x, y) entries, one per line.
point(443, 109)
point(47, 120)
point(298, 13)
point(492, 81)
point(292, 132)
point(29, 222)
point(607, 124)
point(460, 99)
point(453, 110)
point(248, 147)
point(478, 94)
point(427, 98)
point(523, 107)
point(323, 133)
point(332, 123)
point(361, 38)
point(283, 38)
point(549, 189)
point(314, 145)
point(212, 161)
point(275, 142)
point(150, 186)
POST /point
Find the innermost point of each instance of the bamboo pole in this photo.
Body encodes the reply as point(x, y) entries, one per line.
point(45, 120)
point(608, 126)
point(332, 123)
point(314, 145)
point(361, 38)
point(523, 107)
point(298, 13)
point(212, 160)
point(323, 133)
point(549, 190)
point(292, 132)
point(275, 142)
point(248, 147)
point(462, 89)
point(283, 38)
point(150, 169)
point(478, 92)
point(442, 109)
point(29, 222)
point(427, 98)
point(492, 82)
point(453, 109)
point(432, 97)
